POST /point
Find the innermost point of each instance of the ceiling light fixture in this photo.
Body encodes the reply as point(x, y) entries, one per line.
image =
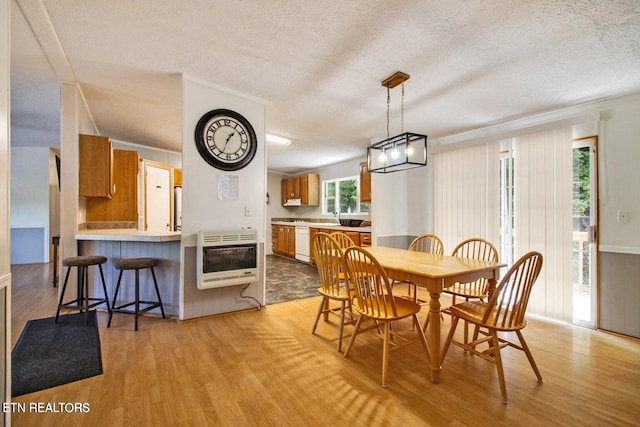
point(406, 150)
point(278, 139)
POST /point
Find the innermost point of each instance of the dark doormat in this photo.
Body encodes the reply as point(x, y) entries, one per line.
point(48, 355)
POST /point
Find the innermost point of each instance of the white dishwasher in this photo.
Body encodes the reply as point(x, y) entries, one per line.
point(303, 251)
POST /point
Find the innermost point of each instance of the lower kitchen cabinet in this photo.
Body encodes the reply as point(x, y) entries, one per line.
point(283, 240)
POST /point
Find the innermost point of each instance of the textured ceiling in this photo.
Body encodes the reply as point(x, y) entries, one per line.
point(319, 64)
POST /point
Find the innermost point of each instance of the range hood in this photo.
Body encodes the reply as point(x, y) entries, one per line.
point(293, 202)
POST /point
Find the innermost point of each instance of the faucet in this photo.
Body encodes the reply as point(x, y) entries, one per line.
point(337, 213)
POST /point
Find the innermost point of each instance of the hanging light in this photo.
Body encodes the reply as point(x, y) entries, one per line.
point(401, 152)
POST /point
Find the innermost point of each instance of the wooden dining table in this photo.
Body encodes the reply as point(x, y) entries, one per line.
point(435, 273)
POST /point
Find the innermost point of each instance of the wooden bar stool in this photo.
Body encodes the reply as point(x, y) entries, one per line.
point(83, 302)
point(136, 264)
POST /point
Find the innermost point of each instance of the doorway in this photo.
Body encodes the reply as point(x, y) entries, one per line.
point(585, 226)
point(158, 196)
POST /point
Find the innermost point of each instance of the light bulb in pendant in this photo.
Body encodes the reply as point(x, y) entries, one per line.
point(394, 152)
point(409, 150)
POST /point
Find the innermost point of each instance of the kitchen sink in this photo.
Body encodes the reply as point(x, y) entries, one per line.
point(351, 222)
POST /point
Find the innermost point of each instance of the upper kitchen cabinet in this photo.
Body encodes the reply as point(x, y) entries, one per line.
point(303, 190)
point(96, 166)
point(123, 206)
point(365, 183)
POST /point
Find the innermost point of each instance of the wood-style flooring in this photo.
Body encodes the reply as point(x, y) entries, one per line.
point(265, 368)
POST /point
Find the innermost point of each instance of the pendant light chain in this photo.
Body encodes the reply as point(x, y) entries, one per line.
point(402, 111)
point(388, 107)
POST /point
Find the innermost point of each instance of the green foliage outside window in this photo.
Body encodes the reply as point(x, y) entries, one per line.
point(342, 195)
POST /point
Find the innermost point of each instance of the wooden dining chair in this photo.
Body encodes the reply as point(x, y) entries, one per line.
point(503, 312)
point(474, 248)
point(329, 259)
point(375, 301)
point(343, 239)
point(345, 242)
point(428, 243)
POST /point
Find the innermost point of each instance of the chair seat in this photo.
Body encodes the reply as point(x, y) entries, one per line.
point(474, 311)
point(404, 308)
point(342, 295)
point(135, 263)
point(84, 260)
point(468, 290)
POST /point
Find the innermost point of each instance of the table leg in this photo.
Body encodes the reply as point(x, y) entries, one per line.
point(434, 336)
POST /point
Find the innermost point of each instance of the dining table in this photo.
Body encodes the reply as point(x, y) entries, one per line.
point(435, 273)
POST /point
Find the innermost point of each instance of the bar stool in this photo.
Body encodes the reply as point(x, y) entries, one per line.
point(136, 264)
point(83, 302)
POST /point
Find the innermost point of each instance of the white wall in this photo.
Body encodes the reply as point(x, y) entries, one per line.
point(201, 207)
point(419, 200)
point(389, 196)
point(75, 119)
point(29, 202)
point(5, 266)
point(619, 175)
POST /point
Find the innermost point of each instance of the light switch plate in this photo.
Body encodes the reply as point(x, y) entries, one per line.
point(623, 216)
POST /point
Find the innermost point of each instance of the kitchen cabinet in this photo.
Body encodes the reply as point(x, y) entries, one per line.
point(303, 187)
point(359, 239)
point(355, 236)
point(293, 188)
point(123, 205)
point(291, 242)
point(274, 238)
point(95, 176)
point(283, 192)
point(365, 183)
point(283, 240)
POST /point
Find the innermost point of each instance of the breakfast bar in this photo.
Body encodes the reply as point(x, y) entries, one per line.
point(131, 243)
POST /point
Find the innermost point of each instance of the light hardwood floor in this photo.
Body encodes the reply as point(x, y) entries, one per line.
point(266, 368)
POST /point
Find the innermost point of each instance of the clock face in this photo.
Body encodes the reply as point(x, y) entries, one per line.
point(225, 139)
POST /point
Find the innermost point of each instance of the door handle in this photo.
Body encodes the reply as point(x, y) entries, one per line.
point(592, 234)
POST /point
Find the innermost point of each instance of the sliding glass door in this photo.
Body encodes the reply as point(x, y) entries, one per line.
point(584, 231)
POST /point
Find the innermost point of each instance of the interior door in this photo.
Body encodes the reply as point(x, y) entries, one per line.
point(585, 235)
point(157, 199)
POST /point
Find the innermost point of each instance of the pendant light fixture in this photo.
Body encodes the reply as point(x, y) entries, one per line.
point(401, 152)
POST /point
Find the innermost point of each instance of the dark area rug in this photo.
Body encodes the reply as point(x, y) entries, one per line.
point(48, 355)
point(288, 280)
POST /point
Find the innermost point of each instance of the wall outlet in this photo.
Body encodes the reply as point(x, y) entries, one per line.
point(623, 217)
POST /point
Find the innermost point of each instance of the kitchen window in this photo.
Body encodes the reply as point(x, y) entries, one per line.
point(343, 195)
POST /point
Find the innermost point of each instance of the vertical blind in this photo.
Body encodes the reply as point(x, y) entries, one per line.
point(543, 216)
point(467, 204)
point(467, 194)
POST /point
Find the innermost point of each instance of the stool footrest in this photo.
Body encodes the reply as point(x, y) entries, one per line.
point(151, 306)
point(76, 303)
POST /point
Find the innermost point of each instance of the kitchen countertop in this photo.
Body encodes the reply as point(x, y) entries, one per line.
point(327, 225)
point(129, 235)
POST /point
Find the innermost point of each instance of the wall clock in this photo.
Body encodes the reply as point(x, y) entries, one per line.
point(225, 139)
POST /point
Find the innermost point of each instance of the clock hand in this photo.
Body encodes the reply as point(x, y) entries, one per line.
point(227, 141)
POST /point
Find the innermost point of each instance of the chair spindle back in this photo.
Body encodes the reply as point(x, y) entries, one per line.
point(428, 243)
point(507, 306)
point(370, 281)
point(329, 259)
